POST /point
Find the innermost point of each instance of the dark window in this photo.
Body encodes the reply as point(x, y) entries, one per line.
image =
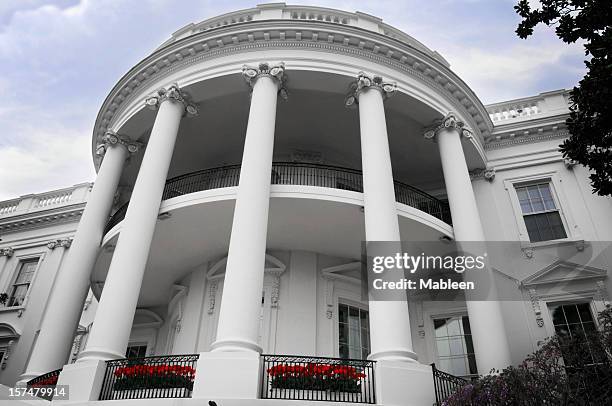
point(136, 351)
point(541, 215)
point(22, 282)
point(354, 332)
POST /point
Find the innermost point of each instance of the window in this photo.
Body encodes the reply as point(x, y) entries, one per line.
point(20, 286)
point(354, 332)
point(575, 321)
point(572, 320)
point(454, 346)
point(541, 215)
point(136, 351)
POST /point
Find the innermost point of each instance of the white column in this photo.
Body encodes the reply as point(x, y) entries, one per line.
point(115, 313)
point(390, 335)
point(244, 275)
point(65, 304)
point(486, 319)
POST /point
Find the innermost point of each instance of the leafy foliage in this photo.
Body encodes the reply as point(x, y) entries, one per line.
point(590, 121)
point(565, 371)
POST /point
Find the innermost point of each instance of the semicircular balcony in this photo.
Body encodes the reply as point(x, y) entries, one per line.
point(313, 207)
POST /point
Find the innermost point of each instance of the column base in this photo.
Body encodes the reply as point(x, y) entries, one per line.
point(402, 355)
point(94, 354)
point(227, 375)
point(235, 346)
point(84, 379)
point(404, 384)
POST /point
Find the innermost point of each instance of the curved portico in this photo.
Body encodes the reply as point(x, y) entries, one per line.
point(387, 182)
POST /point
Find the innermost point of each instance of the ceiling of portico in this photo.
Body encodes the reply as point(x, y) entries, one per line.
point(314, 119)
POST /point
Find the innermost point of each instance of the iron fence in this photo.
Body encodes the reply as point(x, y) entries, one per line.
point(48, 380)
point(290, 173)
point(293, 377)
point(169, 376)
point(445, 384)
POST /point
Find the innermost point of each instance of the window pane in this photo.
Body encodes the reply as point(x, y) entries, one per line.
point(343, 333)
point(445, 365)
point(344, 351)
point(534, 197)
point(459, 367)
point(571, 314)
point(554, 218)
point(557, 315)
point(544, 227)
point(585, 312)
point(353, 332)
point(454, 328)
point(549, 203)
point(456, 346)
point(532, 228)
point(440, 326)
point(443, 347)
point(343, 313)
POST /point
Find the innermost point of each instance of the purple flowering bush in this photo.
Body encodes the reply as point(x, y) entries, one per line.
point(564, 371)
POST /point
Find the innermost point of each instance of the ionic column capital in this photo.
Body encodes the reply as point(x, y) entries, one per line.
point(449, 122)
point(173, 94)
point(276, 72)
point(365, 82)
point(111, 139)
point(6, 252)
point(62, 242)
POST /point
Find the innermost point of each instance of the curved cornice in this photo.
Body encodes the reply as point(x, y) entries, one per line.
point(297, 34)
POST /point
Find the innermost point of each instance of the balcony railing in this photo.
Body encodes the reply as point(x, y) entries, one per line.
point(292, 377)
point(46, 382)
point(445, 384)
point(293, 174)
point(169, 376)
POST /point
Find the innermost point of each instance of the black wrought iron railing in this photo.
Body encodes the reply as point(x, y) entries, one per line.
point(445, 384)
point(290, 173)
point(293, 377)
point(169, 376)
point(47, 381)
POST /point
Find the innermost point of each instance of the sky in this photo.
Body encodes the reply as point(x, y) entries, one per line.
point(60, 58)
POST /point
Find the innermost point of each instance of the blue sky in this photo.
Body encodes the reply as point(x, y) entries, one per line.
point(59, 59)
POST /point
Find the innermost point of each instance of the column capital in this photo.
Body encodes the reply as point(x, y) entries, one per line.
point(364, 82)
point(62, 242)
point(483, 173)
point(174, 94)
point(111, 138)
point(6, 252)
point(277, 72)
point(449, 122)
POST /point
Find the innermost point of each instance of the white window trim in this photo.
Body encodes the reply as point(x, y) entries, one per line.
point(432, 330)
point(556, 190)
point(342, 300)
point(570, 298)
point(17, 266)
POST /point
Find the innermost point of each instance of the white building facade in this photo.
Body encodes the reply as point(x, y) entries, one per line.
point(241, 165)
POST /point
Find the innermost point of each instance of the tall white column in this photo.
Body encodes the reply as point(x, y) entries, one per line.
point(486, 319)
point(65, 304)
point(390, 335)
point(115, 313)
point(244, 275)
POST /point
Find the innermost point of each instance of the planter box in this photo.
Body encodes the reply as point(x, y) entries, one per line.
point(150, 393)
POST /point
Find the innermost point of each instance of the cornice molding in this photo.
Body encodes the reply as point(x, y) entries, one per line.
point(297, 34)
point(42, 219)
point(509, 140)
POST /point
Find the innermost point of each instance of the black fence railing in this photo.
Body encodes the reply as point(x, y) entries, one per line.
point(445, 384)
point(289, 173)
point(292, 377)
point(47, 381)
point(169, 376)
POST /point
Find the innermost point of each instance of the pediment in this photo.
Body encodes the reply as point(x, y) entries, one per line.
point(350, 272)
point(564, 271)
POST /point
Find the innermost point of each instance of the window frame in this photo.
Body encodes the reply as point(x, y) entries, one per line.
point(432, 341)
point(336, 320)
point(561, 203)
point(14, 286)
point(20, 259)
